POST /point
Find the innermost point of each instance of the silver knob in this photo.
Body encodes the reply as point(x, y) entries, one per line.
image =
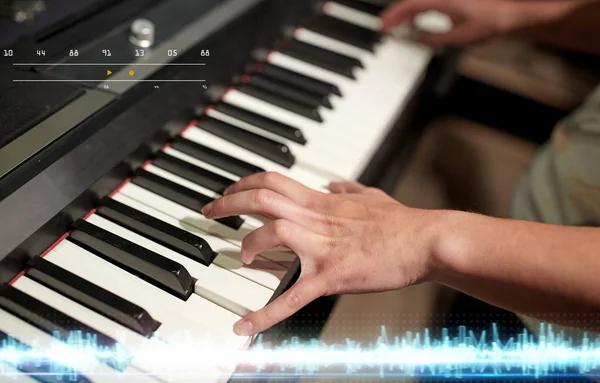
point(142, 33)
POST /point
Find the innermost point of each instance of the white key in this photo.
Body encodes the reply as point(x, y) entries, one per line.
point(220, 286)
point(187, 216)
point(395, 54)
point(340, 130)
point(353, 113)
point(242, 100)
point(66, 355)
point(284, 258)
point(131, 341)
point(335, 132)
point(352, 15)
point(198, 135)
point(313, 155)
point(148, 354)
point(327, 138)
point(197, 318)
point(390, 63)
point(250, 223)
point(325, 42)
point(336, 129)
point(299, 66)
point(392, 74)
point(181, 181)
point(9, 374)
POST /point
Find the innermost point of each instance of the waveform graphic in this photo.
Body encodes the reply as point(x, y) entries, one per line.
point(465, 354)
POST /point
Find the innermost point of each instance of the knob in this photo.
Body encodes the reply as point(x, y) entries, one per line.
point(142, 33)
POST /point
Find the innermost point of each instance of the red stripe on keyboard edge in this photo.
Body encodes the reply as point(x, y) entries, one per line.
point(48, 250)
point(190, 125)
point(64, 236)
point(17, 277)
point(231, 88)
point(88, 215)
point(123, 184)
point(112, 194)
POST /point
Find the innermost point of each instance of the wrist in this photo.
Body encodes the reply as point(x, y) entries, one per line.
point(515, 15)
point(434, 244)
point(521, 15)
point(453, 240)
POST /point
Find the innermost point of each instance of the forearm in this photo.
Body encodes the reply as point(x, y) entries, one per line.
point(568, 24)
point(528, 268)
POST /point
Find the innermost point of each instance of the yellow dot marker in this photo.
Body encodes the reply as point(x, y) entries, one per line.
point(131, 73)
point(108, 72)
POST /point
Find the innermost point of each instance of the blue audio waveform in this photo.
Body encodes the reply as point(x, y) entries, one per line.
point(462, 355)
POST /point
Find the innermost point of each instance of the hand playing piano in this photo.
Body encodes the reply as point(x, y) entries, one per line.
point(474, 20)
point(354, 240)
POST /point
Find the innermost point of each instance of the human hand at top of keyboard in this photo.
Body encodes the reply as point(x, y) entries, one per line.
point(474, 20)
point(355, 240)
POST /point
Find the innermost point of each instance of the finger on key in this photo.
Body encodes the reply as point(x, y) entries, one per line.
point(281, 233)
point(405, 11)
point(262, 202)
point(304, 291)
point(277, 182)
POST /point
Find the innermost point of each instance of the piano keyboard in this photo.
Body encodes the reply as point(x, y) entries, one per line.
point(145, 266)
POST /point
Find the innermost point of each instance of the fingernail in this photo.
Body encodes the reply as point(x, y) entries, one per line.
point(243, 327)
point(206, 210)
point(227, 191)
point(244, 257)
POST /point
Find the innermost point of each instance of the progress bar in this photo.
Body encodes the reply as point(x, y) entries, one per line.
point(131, 80)
point(109, 64)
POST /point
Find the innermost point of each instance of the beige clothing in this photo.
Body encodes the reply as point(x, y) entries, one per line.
point(562, 185)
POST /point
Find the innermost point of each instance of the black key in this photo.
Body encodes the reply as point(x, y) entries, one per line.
point(301, 81)
point(40, 368)
point(255, 143)
point(179, 194)
point(60, 325)
point(291, 92)
point(280, 101)
point(159, 231)
point(135, 259)
point(363, 6)
point(272, 126)
point(320, 57)
point(344, 31)
point(215, 158)
point(93, 297)
point(192, 173)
